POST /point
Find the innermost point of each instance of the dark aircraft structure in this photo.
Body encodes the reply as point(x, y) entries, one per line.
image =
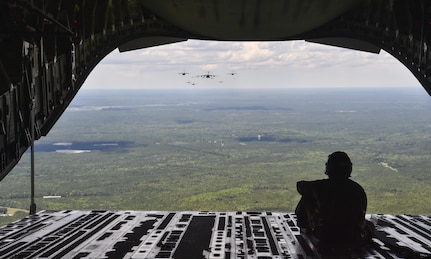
point(49, 47)
point(207, 75)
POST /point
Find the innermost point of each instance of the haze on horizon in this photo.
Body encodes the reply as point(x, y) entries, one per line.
point(284, 64)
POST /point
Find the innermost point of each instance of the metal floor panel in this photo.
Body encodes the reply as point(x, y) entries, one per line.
point(194, 234)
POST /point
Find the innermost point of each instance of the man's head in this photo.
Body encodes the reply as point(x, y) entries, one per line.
point(338, 166)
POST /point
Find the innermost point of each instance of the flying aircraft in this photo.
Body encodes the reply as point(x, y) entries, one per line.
point(208, 75)
point(183, 73)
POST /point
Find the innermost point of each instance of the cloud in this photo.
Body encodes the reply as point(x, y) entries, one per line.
point(257, 63)
point(251, 55)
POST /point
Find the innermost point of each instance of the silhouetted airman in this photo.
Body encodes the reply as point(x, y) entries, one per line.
point(332, 211)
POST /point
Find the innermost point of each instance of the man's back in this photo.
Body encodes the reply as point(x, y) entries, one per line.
point(340, 210)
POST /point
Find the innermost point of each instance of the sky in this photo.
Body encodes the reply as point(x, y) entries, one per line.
point(284, 64)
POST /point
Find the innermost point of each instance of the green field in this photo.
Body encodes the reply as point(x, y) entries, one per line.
point(13, 214)
point(228, 150)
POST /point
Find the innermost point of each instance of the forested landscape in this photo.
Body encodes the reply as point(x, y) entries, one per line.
point(227, 150)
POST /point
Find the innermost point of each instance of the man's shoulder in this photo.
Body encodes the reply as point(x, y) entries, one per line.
point(313, 182)
point(319, 181)
point(307, 187)
point(357, 189)
point(357, 185)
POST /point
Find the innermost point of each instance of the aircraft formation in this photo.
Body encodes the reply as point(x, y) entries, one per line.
point(207, 75)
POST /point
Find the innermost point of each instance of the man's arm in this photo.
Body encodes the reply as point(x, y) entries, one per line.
point(306, 188)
